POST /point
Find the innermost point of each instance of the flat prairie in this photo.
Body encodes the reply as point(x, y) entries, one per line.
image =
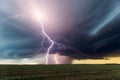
point(60, 72)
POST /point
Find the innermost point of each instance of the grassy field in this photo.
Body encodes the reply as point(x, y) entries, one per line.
point(60, 72)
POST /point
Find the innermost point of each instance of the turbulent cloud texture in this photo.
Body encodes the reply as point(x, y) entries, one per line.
point(83, 27)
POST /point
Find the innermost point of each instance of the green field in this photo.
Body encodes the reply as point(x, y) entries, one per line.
point(60, 72)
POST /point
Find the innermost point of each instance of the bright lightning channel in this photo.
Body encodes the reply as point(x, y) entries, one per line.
point(43, 32)
point(56, 59)
point(49, 38)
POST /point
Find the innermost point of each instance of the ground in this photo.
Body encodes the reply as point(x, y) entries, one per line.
point(60, 72)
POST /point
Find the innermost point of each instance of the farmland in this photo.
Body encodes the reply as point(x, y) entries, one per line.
point(60, 72)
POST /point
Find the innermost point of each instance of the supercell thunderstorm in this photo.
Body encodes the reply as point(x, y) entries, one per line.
point(57, 31)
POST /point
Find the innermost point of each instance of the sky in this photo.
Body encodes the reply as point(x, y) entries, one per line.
point(80, 29)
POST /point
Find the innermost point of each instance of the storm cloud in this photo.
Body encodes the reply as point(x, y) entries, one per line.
point(84, 28)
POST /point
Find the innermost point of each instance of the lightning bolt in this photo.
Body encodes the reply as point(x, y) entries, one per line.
point(56, 59)
point(44, 34)
point(48, 37)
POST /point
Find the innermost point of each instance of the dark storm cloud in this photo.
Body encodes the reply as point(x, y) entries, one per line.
point(95, 28)
point(87, 29)
point(17, 39)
